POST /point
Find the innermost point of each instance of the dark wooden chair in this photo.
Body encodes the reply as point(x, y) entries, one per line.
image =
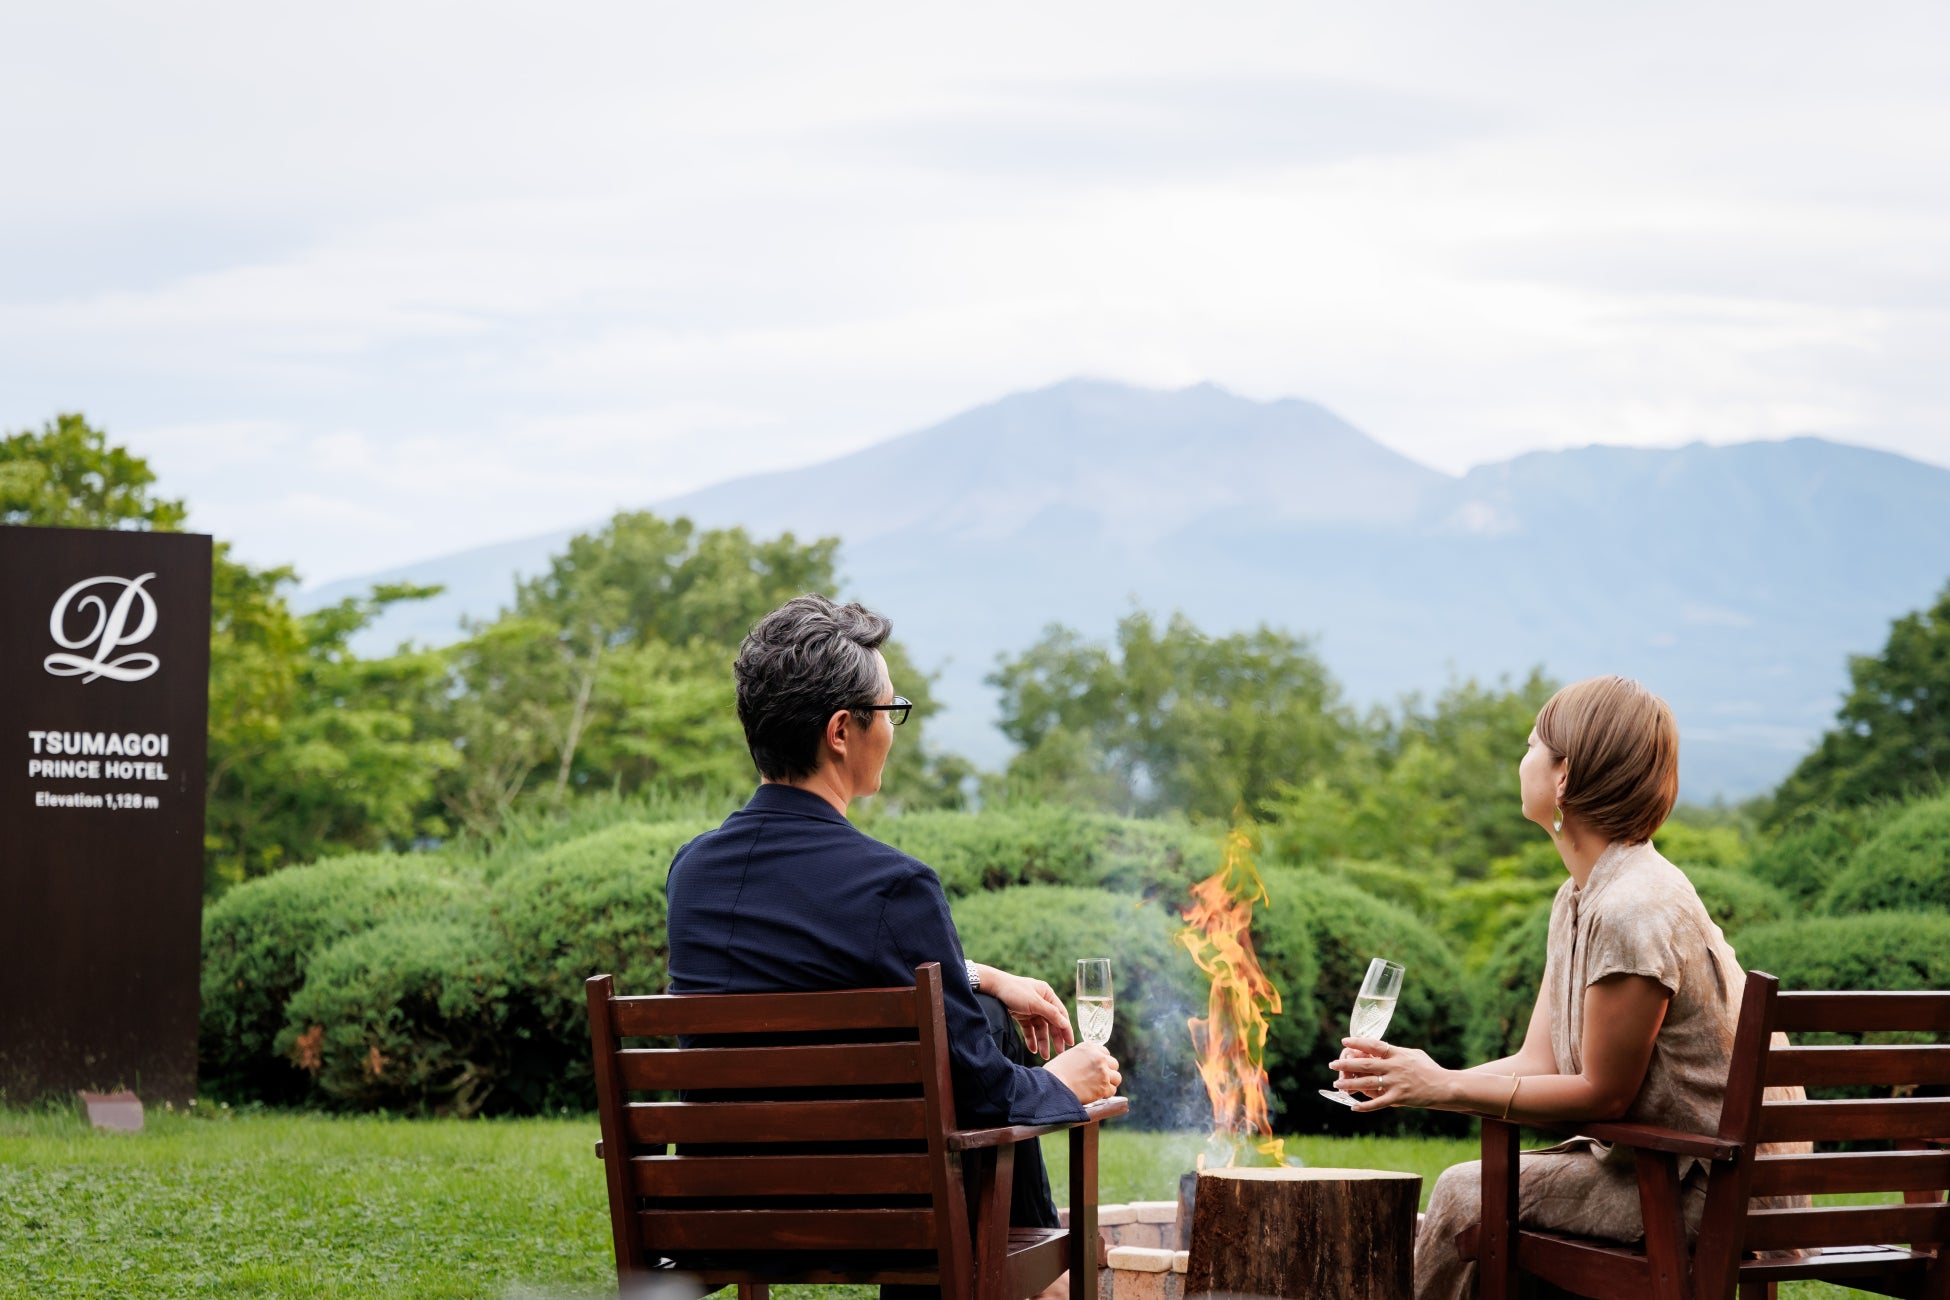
point(1847, 1245)
point(861, 1188)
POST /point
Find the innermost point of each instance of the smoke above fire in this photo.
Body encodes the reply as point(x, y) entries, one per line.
point(1230, 1039)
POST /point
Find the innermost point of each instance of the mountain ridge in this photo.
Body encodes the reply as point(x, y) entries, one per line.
point(1734, 578)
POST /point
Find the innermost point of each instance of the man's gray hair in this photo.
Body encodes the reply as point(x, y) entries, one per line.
point(798, 666)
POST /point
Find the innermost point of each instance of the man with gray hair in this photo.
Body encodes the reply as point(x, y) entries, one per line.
point(788, 896)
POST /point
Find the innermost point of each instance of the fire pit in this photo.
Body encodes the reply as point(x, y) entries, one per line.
point(1268, 1227)
point(1337, 1234)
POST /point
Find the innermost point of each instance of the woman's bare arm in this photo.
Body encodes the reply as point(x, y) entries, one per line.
point(1622, 1015)
point(1535, 1056)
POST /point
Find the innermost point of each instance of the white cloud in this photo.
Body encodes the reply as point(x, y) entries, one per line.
point(398, 283)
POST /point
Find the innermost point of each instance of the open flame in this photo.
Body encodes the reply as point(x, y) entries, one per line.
point(1231, 1038)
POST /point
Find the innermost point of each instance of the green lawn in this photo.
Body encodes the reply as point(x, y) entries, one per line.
point(302, 1206)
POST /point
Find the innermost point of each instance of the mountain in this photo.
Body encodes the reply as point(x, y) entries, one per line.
point(1735, 580)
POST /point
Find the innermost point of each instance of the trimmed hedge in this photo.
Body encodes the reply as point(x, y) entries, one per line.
point(259, 938)
point(1877, 950)
point(1041, 930)
point(418, 1014)
point(1804, 860)
point(1903, 866)
point(1736, 901)
point(591, 906)
point(1504, 991)
point(1036, 845)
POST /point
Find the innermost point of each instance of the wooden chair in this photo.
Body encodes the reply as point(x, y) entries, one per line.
point(861, 1184)
point(1843, 1244)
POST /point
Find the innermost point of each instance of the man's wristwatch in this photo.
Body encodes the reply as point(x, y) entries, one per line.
point(974, 976)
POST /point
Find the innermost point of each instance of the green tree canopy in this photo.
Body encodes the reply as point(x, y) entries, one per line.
point(612, 671)
point(1170, 718)
point(68, 476)
point(1891, 737)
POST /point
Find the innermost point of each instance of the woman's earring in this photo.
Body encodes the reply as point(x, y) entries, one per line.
point(1557, 821)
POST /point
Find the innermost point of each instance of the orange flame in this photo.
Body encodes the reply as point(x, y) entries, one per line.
point(1231, 1038)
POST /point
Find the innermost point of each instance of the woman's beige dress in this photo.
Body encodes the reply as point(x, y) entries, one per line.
point(1636, 915)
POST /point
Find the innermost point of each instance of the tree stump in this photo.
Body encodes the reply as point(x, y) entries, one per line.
point(1334, 1234)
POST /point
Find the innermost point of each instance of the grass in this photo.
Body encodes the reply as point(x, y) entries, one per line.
point(301, 1205)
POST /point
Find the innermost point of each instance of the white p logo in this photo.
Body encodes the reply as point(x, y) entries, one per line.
point(110, 633)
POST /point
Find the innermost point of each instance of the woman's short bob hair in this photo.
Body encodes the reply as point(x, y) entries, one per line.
point(1621, 751)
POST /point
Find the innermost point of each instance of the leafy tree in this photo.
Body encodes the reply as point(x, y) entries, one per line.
point(1173, 718)
point(1480, 730)
point(1892, 733)
point(613, 672)
point(1402, 812)
point(68, 476)
point(1433, 792)
point(312, 749)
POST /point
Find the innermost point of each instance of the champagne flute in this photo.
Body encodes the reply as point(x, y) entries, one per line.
point(1094, 1014)
point(1374, 1007)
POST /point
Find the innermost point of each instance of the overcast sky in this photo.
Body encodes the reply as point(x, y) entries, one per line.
point(370, 283)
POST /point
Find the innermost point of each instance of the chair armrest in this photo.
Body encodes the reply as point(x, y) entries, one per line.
point(1651, 1138)
point(969, 1139)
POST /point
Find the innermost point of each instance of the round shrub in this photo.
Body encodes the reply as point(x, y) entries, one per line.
point(1041, 930)
point(1877, 950)
point(590, 906)
point(1689, 846)
point(1504, 990)
point(1903, 866)
point(1736, 900)
point(415, 1014)
point(1054, 846)
point(258, 938)
point(1315, 937)
point(1804, 859)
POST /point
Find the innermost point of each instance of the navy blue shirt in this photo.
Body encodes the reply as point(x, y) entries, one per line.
point(787, 896)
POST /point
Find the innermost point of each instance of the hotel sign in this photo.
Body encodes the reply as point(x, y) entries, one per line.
point(104, 697)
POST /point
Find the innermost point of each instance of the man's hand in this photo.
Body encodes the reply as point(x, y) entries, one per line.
point(1044, 1020)
point(1088, 1071)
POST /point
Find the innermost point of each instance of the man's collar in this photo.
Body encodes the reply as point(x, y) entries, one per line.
point(772, 797)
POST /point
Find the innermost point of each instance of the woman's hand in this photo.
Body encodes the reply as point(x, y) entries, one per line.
point(1044, 1019)
point(1390, 1076)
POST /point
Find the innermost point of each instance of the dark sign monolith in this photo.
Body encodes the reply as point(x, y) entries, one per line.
point(104, 697)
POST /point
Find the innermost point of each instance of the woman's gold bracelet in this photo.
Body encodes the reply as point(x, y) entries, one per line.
point(1512, 1098)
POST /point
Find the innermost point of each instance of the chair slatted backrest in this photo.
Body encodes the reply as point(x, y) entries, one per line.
point(1910, 1114)
point(769, 1170)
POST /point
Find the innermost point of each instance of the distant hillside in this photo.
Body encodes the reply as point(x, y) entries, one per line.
point(1734, 580)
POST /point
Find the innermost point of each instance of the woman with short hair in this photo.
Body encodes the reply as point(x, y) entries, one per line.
point(1640, 996)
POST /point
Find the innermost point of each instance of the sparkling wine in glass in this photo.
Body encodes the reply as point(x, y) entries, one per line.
point(1374, 1007)
point(1094, 1015)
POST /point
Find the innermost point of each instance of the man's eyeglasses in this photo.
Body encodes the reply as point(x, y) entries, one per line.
point(896, 712)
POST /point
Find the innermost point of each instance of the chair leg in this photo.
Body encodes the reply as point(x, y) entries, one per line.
point(754, 1291)
point(1083, 1212)
point(1758, 1290)
point(992, 1224)
point(1496, 1252)
point(1665, 1229)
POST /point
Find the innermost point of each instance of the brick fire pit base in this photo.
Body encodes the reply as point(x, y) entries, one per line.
point(1138, 1249)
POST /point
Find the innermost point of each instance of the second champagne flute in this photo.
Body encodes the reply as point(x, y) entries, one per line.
point(1374, 1007)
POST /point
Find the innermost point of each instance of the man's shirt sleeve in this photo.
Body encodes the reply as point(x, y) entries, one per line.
point(989, 1088)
